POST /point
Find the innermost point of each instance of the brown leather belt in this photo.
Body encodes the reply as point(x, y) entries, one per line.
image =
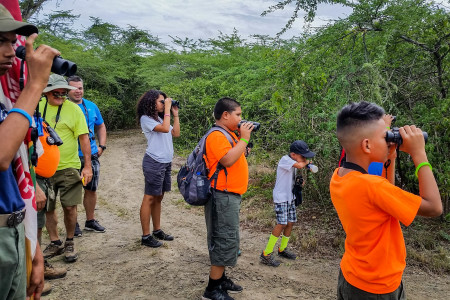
point(12, 220)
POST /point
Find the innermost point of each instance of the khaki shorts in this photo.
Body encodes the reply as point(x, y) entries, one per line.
point(46, 186)
point(68, 183)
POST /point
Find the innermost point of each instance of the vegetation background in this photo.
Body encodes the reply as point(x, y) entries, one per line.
point(393, 53)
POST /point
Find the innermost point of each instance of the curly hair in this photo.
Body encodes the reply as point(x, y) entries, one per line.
point(146, 105)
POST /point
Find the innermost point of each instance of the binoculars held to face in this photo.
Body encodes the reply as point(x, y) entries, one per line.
point(256, 125)
point(60, 65)
point(393, 136)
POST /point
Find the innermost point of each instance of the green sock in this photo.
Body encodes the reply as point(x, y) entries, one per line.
point(284, 242)
point(272, 241)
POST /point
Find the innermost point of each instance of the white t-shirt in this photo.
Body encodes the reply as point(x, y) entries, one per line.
point(282, 192)
point(159, 144)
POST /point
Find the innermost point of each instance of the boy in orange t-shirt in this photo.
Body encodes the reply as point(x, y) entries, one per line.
point(370, 207)
point(222, 210)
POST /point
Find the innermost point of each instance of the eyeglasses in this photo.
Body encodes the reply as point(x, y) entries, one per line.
point(59, 95)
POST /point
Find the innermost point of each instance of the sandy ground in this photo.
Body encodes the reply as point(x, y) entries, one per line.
point(113, 265)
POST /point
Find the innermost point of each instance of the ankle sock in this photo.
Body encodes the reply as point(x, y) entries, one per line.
point(144, 237)
point(157, 231)
point(68, 240)
point(213, 283)
point(57, 242)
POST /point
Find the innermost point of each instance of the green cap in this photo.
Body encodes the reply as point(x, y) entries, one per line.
point(7, 24)
point(55, 82)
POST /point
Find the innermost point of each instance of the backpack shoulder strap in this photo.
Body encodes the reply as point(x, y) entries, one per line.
point(225, 132)
point(230, 139)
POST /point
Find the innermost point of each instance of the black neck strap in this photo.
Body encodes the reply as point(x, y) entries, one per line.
point(57, 114)
point(352, 166)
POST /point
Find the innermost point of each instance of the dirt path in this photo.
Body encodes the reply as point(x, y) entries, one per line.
point(114, 265)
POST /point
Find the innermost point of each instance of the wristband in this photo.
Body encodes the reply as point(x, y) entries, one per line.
point(388, 128)
point(242, 139)
point(421, 165)
point(166, 115)
point(23, 113)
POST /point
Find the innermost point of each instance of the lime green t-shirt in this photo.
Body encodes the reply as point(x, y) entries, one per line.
point(71, 124)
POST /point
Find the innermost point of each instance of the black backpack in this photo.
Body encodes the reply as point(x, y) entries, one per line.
point(192, 179)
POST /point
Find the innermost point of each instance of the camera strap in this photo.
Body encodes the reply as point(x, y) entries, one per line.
point(57, 114)
point(352, 166)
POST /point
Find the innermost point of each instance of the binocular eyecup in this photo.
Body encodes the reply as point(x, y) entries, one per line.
point(60, 65)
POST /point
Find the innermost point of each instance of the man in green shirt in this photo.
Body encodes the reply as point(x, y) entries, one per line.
point(67, 119)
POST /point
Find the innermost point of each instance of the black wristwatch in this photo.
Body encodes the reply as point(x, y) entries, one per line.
point(103, 147)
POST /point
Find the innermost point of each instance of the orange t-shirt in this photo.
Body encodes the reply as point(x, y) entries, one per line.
point(217, 145)
point(370, 208)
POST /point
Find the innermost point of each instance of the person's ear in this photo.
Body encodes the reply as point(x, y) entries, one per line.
point(226, 115)
point(365, 146)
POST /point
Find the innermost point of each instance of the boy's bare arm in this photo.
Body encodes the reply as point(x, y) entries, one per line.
point(233, 155)
point(414, 144)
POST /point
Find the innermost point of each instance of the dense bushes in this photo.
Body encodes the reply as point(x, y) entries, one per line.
point(394, 54)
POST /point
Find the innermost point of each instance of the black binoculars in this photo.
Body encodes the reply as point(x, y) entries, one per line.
point(394, 136)
point(256, 125)
point(60, 65)
point(174, 103)
point(53, 138)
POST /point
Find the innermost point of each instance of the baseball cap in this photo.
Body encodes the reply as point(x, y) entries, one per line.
point(56, 81)
point(7, 24)
point(300, 147)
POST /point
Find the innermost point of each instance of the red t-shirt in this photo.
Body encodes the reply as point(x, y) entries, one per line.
point(370, 208)
point(217, 145)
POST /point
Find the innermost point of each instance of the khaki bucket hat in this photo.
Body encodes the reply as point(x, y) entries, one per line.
point(57, 82)
point(7, 24)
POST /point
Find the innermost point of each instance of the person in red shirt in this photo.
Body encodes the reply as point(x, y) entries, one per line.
point(370, 207)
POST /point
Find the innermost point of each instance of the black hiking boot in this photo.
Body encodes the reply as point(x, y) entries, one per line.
point(231, 287)
point(269, 260)
point(217, 294)
point(287, 254)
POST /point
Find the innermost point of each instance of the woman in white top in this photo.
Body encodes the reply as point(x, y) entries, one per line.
point(154, 111)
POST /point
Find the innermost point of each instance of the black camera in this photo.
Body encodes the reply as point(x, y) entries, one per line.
point(393, 136)
point(60, 65)
point(53, 138)
point(256, 125)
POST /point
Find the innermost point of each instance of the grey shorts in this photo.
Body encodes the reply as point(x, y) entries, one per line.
point(93, 184)
point(347, 291)
point(157, 176)
point(222, 225)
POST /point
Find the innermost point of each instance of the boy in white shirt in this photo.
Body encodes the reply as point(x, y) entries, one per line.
point(284, 201)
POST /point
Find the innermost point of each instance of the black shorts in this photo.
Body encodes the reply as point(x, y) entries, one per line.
point(157, 176)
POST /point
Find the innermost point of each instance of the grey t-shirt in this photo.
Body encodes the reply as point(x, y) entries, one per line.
point(159, 144)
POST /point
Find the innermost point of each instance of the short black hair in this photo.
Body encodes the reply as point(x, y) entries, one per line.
point(358, 114)
point(74, 78)
point(225, 104)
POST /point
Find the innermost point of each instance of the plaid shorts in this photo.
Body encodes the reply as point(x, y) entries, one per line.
point(93, 185)
point(286, 212)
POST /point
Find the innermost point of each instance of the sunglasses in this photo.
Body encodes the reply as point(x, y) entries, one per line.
point(59, 95)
